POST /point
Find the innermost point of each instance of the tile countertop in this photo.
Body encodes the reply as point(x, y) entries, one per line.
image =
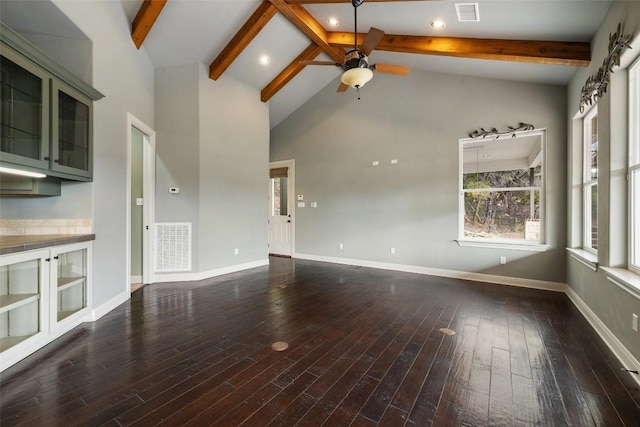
point(13, 244)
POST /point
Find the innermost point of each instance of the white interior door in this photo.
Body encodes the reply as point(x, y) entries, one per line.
point(140, 200)
point(281, 208)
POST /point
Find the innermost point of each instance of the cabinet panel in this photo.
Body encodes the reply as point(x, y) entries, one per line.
point(24, 112)
point(22, 294)
point(70, 280)
point(71, 131)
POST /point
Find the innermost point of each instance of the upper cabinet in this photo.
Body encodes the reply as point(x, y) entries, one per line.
point(46, 113)
point(24, 112)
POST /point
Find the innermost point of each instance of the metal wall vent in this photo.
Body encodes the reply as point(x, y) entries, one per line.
point(173, 246)
point(467, 12)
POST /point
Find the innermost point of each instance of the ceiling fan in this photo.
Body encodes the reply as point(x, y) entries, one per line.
point(357, 71)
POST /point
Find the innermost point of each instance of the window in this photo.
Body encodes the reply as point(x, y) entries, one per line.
point(590, 181)
point(502, 189)
point(279, 191)
point(634, 167)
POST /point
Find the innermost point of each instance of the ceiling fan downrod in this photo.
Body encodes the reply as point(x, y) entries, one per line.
point(355, 4)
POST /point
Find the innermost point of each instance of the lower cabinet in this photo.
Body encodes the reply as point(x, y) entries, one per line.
point(43, 294)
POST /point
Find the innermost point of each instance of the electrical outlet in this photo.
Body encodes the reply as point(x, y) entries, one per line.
point(375, 163)
point(503, 260)
point(393, 250)
point(236, 251)
point(634, 322)
point(341, 247)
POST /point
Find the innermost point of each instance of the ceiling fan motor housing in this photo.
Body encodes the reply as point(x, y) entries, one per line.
point(355, 59)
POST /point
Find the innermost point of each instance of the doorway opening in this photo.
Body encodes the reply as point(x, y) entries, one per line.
point(140, 202)
point(281, 208)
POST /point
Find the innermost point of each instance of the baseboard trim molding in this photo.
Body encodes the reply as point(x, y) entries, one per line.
point(453, 274)
point(191, 277)
point(103, 309)
point(136, 279)
point(624, 356)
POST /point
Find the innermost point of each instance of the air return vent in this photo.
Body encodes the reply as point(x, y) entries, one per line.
point(467, 12)
point(173, 246)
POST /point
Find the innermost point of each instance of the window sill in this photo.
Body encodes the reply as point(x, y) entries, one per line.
point(587, 258)
point(513, 245)
point(625, 279)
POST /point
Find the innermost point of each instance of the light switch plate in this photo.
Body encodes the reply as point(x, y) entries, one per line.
point(139, 201)
point(301, 204)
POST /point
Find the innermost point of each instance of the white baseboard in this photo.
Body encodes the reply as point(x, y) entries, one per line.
point(478, 277)
point(136, 279)
point(624, 356)
point(189, 277)
point(103, 309)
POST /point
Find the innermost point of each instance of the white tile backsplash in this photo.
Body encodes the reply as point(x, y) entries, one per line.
point(12, 227)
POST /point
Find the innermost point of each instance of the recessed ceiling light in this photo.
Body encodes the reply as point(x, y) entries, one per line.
point(264, 59)
point(333, 22)
point(437, 24)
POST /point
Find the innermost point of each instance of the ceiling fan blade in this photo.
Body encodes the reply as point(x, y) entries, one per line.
point(319, 63)
point(371, 40)
point(399, 70)
point(342, 88)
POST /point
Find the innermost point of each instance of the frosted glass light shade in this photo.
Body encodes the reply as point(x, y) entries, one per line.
point(356, 77)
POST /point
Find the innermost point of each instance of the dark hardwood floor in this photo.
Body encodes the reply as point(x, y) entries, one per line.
point(364, 349)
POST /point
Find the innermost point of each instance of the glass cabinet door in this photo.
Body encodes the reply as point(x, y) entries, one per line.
point(71, 278)
point(24, 112)
point(71, 131)
point(20, 300)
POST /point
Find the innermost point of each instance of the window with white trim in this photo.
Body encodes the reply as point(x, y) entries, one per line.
point(502, 189)
point(590, 181)
point(634, 167)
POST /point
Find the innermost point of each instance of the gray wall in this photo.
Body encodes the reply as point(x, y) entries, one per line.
point(178, 147)
point(611, 304)
point(234, 173)
point(205, 147)
point(413, 206)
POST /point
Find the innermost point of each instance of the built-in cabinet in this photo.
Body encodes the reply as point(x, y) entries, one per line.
point(43, 294)
point(46, 113)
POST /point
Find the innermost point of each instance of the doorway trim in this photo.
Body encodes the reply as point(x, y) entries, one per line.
point(148, 216)
point(291, 198)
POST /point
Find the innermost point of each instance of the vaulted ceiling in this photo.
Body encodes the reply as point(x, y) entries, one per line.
point(530, 40)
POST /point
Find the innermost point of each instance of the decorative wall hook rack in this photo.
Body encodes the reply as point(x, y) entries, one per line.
point(596, 84)
point(511, 130)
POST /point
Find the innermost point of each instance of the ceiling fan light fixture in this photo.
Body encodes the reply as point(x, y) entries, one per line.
point(356, 77)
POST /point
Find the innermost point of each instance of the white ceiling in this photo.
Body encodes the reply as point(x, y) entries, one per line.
point(197, 30)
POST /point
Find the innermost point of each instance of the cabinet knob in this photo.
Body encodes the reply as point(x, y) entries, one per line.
point(55, 257)
point(47, 259)
point(56, 160)
point(46, 158)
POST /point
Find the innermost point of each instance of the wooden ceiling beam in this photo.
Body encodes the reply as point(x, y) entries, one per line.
point(534, 51)
point(290, 72)
point(306, 23)
point(144, 20)
point(241, 40)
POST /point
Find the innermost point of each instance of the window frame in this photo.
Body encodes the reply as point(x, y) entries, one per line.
point(634, 167)
point(517, 244)
point(588, 182)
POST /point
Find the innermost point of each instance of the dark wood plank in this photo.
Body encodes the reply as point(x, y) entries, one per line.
point(364, 349)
